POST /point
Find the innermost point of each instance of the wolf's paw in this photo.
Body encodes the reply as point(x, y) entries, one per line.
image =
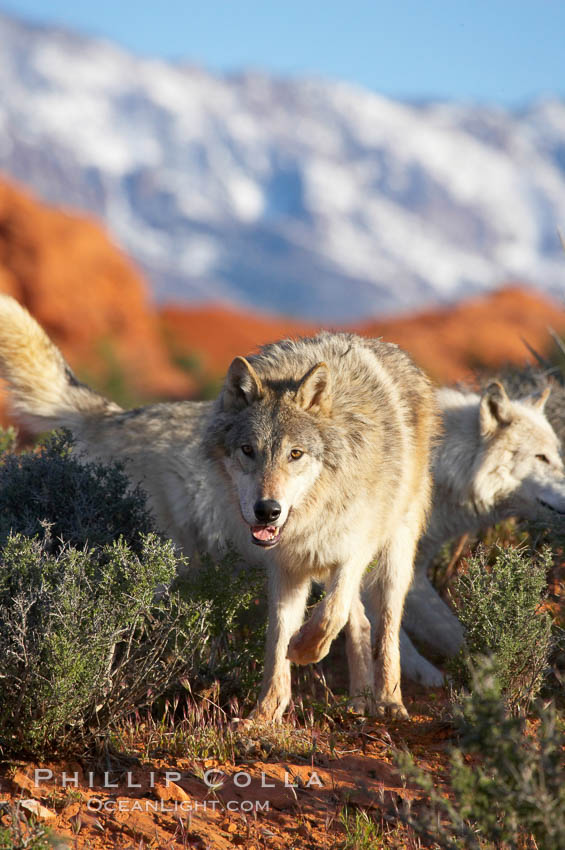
point(268, 711)
point(256, 721)
point(361, 704)
point(310, 644)
point(242, 724)
point(414, 666)
point(389, 709)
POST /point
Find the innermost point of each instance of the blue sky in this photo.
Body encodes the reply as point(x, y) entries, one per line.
point(493, 50)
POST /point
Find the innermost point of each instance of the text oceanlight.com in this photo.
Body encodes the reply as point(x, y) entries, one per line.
point(95, 804)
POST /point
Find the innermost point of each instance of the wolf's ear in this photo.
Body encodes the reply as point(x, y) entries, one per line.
point(495, 409)
point(539, 402)
point(314, 390)
point(242, 385)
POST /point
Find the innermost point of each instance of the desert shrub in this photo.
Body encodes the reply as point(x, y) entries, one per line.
point(507, 781)
point(85, 637)
point(81, 502)
point(233, 595)
point(499, 601)
point(84, 640)
point(26, 833)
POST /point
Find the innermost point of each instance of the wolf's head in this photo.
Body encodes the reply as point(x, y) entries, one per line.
point(272, 443)
point(518, 468)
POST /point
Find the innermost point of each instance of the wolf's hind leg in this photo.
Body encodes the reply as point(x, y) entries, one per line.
point(387, 586)
point(414, 666)
point(428, 618)
point(287, 601)
point(359, 656)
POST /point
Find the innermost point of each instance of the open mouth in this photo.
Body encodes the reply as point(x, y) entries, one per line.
point(265, 535)
point(551, 508)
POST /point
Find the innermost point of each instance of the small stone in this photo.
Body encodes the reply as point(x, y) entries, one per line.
point(170, 792)
point(35, 807)
point(85, 819)
point(24, 783)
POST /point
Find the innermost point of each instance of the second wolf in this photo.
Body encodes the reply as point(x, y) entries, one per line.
point(497, 458)
point(313, 461)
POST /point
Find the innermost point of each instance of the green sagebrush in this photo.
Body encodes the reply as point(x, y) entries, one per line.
point(234, 595)
point(50, 489)
point(94, 624)
point(84, 640)
point(498, 600)
point(508, 785)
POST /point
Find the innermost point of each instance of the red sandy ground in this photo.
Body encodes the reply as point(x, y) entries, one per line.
point(305, 796)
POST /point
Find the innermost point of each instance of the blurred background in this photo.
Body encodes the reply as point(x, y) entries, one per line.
point(182, 181)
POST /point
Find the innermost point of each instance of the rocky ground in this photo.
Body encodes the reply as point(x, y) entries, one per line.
point(301, 785)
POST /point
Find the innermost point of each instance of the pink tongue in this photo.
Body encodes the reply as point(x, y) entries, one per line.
point(264, 533)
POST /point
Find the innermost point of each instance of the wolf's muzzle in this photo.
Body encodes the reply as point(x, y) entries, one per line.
point(266, 533)
point(267, 510)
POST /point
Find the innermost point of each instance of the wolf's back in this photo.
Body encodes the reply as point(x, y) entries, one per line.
point(44, 391)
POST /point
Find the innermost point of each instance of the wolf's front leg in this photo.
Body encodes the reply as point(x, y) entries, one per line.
point(287, 601)
point(312, 642)
point(387, 586)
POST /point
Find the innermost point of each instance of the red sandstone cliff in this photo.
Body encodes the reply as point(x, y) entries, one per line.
point(449, 343)
point(88, 296)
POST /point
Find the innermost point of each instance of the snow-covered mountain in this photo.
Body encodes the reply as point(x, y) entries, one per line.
point(306, 196)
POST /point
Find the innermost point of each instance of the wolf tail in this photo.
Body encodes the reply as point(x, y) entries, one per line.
point(44, 391)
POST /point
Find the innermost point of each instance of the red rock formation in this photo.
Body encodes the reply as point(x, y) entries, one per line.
point(214, 335)
point(449, 343)
point(86, 294)
point(482, 332)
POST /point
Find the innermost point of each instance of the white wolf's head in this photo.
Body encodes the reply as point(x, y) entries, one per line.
point(272, 443)
point(518, 468)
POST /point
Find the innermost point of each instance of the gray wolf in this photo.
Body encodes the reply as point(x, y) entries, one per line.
point(496, 459)
point(313, 461)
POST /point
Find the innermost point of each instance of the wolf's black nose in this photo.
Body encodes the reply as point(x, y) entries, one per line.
point(267, 510)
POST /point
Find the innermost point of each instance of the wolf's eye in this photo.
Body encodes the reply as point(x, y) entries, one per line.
point(296, 453)
point(543, 458)
point(247, 450)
